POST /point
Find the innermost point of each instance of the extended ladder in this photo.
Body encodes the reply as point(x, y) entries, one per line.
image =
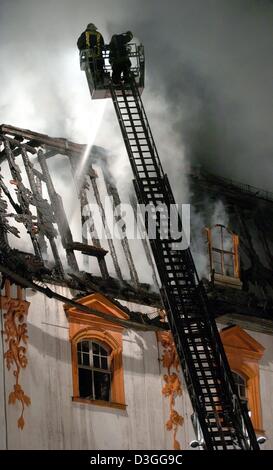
point(223, 419)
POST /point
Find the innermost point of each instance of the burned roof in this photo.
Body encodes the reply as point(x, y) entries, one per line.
point(31, 208)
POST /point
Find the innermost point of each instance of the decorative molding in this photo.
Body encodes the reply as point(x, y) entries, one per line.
point(15, 330)
point(85, 326)
point(172, 386)
point(244, 353)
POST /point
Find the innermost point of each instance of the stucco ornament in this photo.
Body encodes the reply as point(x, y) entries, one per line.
point(172, 386)
point(15, 331)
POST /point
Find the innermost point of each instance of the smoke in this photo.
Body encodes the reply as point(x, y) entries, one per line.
point(211, 214)
point(209, 70)
point(212, 63)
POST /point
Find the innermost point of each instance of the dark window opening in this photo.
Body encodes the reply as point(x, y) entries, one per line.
point(241, 387)
point(94, 371)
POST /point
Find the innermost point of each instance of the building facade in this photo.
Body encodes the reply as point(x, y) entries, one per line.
point(87, 361)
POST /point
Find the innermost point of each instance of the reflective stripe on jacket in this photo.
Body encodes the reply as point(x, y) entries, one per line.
point(91, 40)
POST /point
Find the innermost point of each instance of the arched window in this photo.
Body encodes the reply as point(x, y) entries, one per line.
point(97, 368)
point(96, 353)
point(243, 354)
point(241, 386)
point(94, 370)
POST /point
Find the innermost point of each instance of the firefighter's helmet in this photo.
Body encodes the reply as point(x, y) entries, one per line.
point(91, 27)
point(130, 34)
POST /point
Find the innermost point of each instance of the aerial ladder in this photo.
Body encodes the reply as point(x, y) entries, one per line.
point(220, 420)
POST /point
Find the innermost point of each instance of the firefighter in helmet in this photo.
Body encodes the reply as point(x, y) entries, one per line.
point(92, 39)
point(118, 56)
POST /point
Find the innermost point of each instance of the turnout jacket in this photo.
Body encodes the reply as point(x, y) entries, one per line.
point(91, 40)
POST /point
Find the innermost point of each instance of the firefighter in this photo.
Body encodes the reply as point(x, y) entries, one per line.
point(119, 58)
point(92, 39)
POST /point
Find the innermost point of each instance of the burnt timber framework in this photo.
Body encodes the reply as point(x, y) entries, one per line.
point(46, 223)
point(218, 411)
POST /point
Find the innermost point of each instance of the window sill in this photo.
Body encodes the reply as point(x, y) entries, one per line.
point(107, 404)
point(229, 281)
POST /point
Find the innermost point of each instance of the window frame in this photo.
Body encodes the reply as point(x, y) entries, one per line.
point(85, 325)
point(92, 368)
point(117, 397)
point(222, 277)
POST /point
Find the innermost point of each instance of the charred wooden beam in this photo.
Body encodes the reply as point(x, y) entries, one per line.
point(38, 175)
point(106, 228)
point(24, 197)
point(5, 190)
point(87, 219)
point(113, 193)
point(44, 214)
point(5, 227)
point(17, 143)
point(89, 250)
point(62, 145)
point(40, 216)
point(61, 219)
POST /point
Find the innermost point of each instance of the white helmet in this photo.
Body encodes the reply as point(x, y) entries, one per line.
point(91, 27)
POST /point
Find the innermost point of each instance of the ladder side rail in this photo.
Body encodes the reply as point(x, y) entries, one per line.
point(147, 130)
point(138, 145)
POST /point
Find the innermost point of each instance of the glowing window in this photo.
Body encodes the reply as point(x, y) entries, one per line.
point(223, 251)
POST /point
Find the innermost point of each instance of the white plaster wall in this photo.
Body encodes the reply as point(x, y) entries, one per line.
point(53, 421)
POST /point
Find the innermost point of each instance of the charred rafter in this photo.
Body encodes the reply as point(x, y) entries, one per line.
point(45, 220)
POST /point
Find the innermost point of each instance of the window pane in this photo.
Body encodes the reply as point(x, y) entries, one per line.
point(227, 241)
point(79, 358)
point(102, 386)
point(216, 260)
point(240, 385)
point(85, 359)
point(228, 264)
point(104, 363)
point(96, 348)
point(85, 383)
point(240, 380)
point(103, 351)
point(216, 238)
point(85, 346)
point(96, 361)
